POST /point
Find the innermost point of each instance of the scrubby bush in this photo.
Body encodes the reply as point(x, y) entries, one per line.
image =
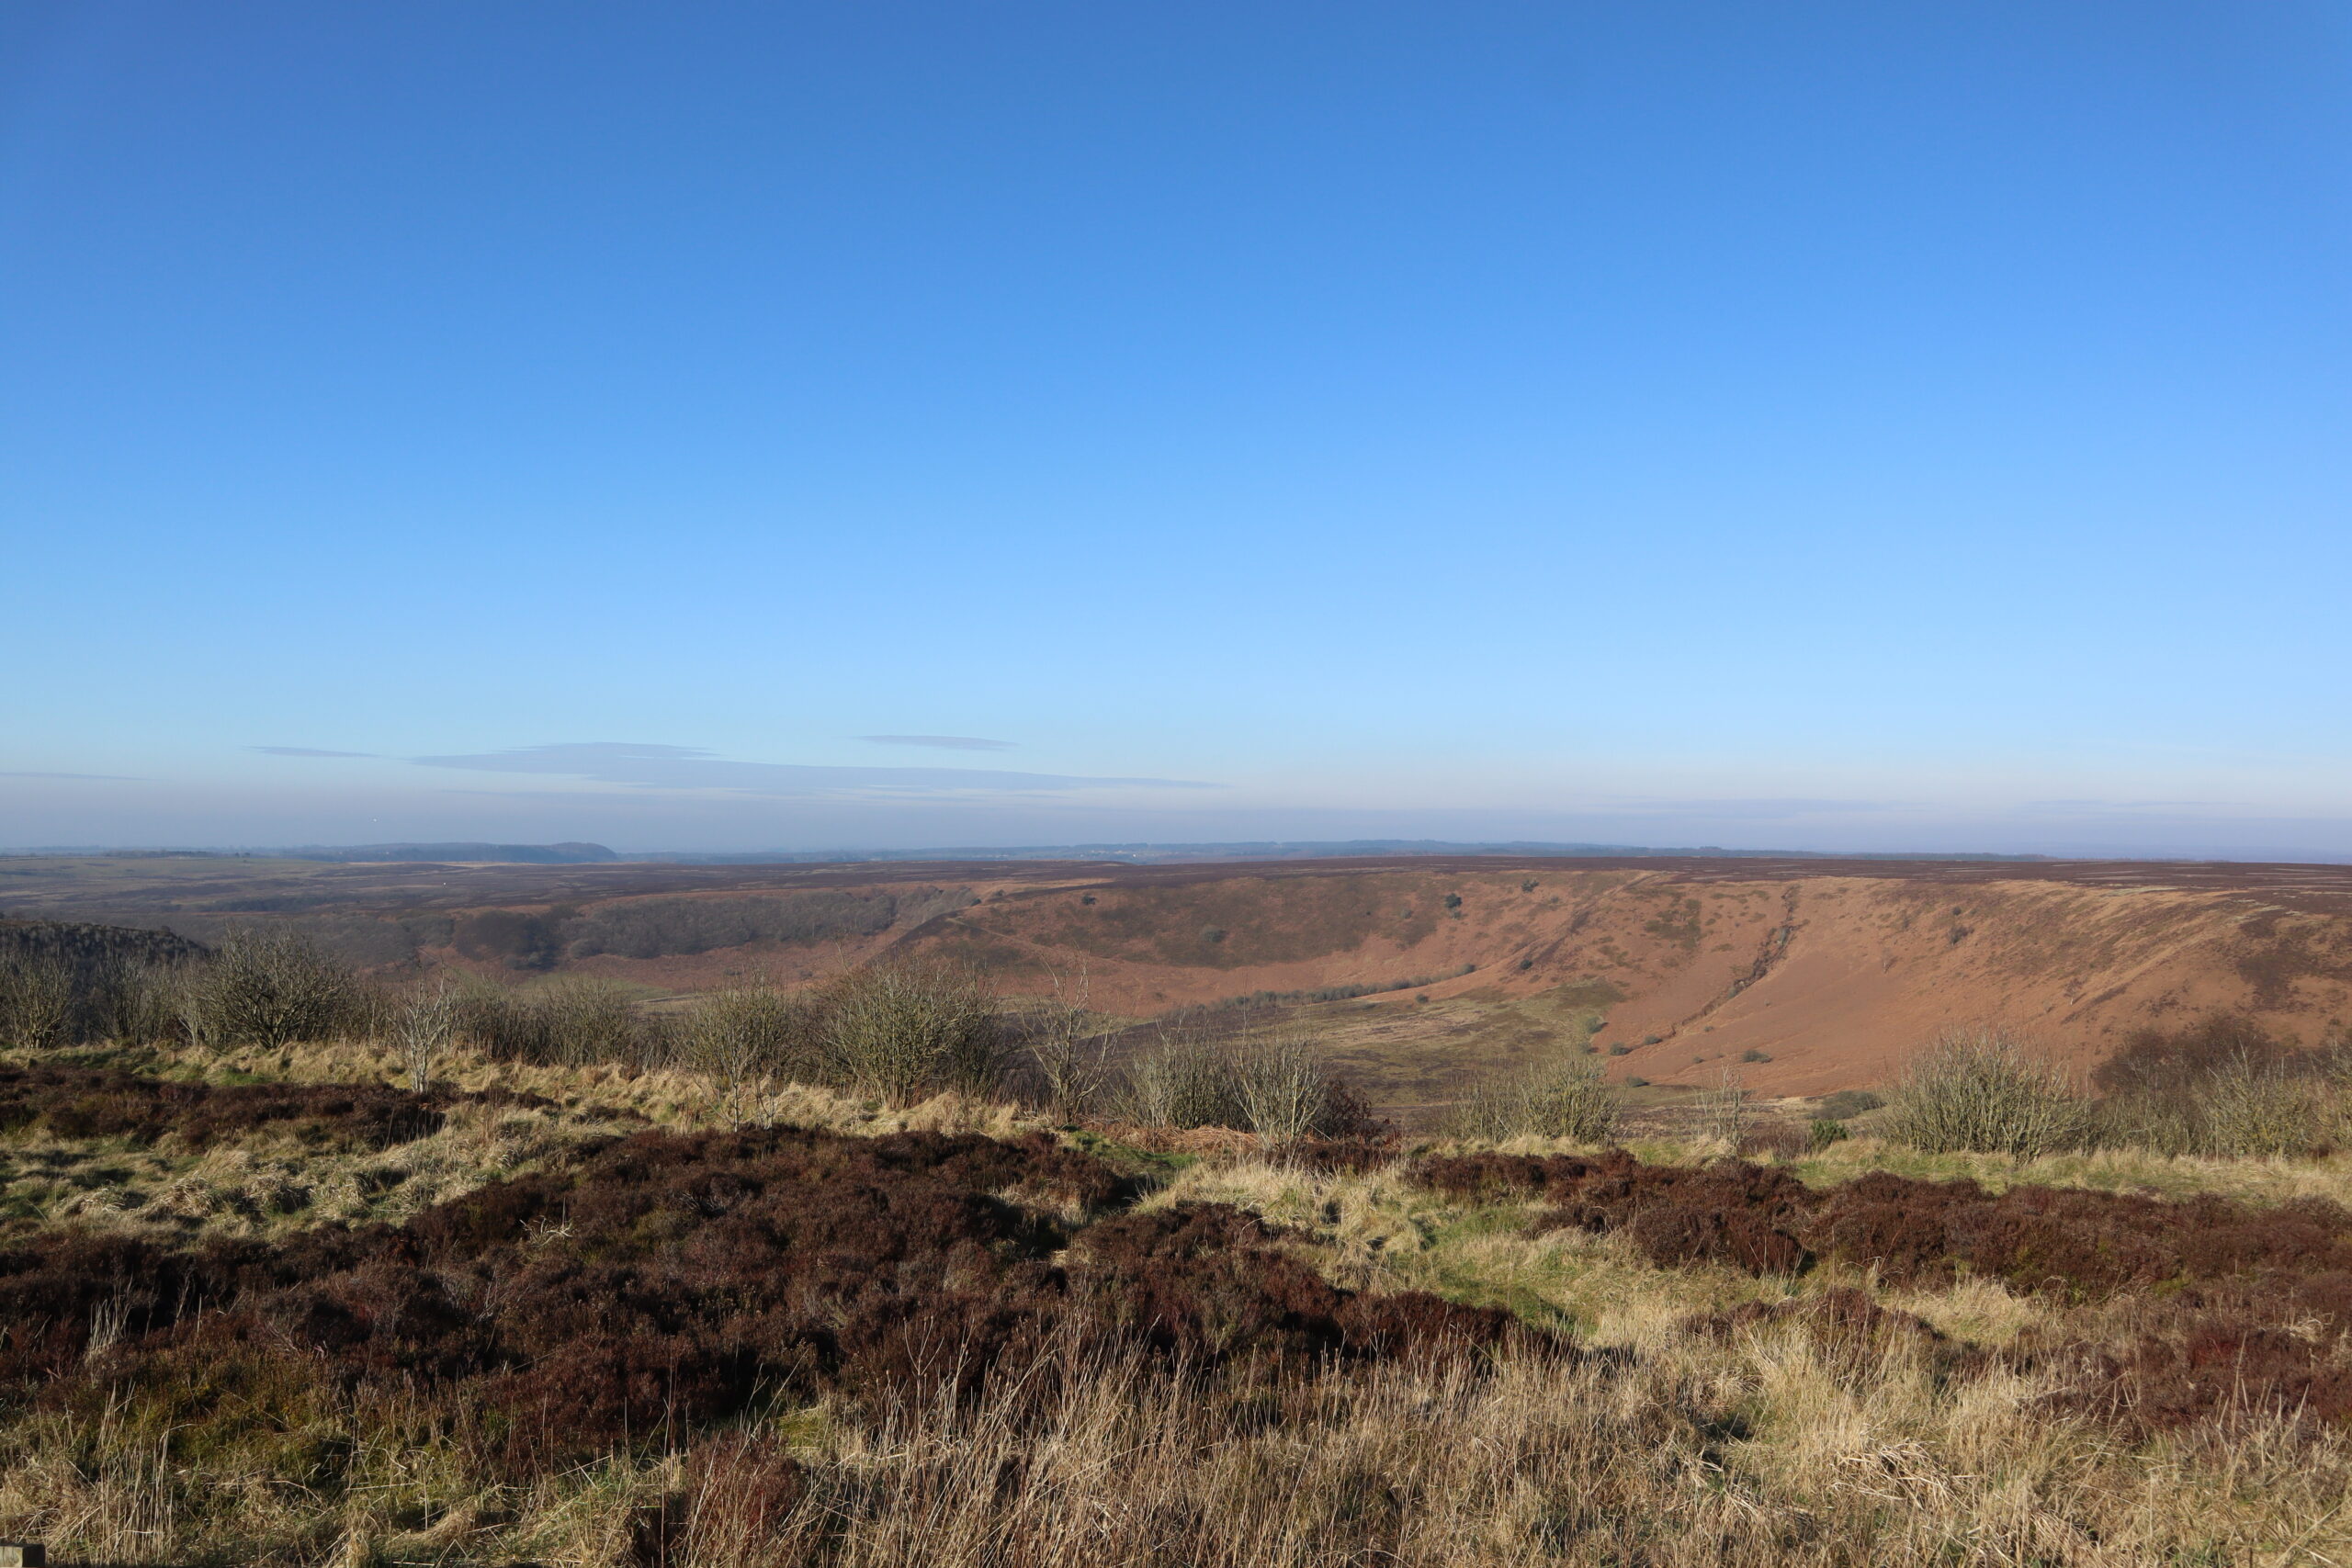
point(1564, 1098)
point(1285, 1091)
point(49, 999)
point(1068, 1049)
point(1280, 1088)
point(2264, 1110)
point(422, 1025)
point(902, 1030)
point(1182, 1081)
point(751, 1034)
point(1724, 1113)
point(2221, 1087)
point(66, 983)
point(273, 987)
point(38, 1004)
point(1981, 1091)
point(567, 1021)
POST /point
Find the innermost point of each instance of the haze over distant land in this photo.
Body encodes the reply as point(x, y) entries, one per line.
point(750, 427)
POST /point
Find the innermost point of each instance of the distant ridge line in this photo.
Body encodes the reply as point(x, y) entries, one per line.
point(1277, 849)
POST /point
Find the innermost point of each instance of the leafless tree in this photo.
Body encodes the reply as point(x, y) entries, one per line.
point(1072, 1056)
point(422, 1028)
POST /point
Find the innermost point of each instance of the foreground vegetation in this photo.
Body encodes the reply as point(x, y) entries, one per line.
point(886, 1273)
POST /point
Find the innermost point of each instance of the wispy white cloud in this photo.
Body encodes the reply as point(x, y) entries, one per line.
point(690, 767)
point(940, 742)
point(305, 751)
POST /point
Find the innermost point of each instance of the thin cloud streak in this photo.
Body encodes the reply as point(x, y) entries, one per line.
point(691, 767)
point(306, 751)
point(941, 742)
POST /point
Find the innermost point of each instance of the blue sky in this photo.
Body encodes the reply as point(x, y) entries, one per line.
point(1874, 426)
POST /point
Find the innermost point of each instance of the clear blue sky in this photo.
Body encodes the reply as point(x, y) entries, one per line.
point(1870, 425)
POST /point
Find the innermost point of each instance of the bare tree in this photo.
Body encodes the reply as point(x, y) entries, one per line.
point(1723, 1109)
point(270, 989)
point(1284, 1089)
point(1072, 1057)
point(38, 1000)
point(742, 1038)
point(904, 1030)
point(423, 1029)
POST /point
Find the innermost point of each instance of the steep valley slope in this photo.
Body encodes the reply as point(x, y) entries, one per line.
point(1805, 976)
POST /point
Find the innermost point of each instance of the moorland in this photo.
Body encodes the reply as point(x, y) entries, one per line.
point(1440, 1213)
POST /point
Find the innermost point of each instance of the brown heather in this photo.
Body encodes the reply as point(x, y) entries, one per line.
point(691, 1345)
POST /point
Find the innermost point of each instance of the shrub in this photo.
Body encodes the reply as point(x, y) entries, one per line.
point(422, 1027)
point(1823, 1132)
point(2250, 1107)
point(1723, 1112)
point(51, 999)
point(38, 1004)
point(1068, 1048)
point(271, 989)
point(1182, 1081)
point(1752, 1055)
point(570, 1021)
point(751, 1034)
point(1978, 1092)
point(903, 1031)
point(142, 1003)
point(1281, 1088)
point(2221, 1087)
point(1567, 1098)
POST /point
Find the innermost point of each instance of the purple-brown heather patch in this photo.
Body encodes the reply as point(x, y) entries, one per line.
point(103, 1103)
point(665, 1282)
point(2247, 1309)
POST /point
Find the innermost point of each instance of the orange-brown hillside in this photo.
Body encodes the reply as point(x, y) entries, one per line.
point(1832, 973)
point(1834, 970)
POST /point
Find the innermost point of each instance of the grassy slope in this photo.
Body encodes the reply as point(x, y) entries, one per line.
point(1760, 1449)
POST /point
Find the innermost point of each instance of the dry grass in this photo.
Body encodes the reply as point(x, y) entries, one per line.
point(1657, 1445)
point(1767, 1449)
point(267, 1183)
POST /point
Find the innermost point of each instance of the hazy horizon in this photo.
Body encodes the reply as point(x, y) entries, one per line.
point(1831, 427)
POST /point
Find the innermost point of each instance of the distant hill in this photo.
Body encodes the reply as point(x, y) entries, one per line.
point(503, 854)
point(1165, 854)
